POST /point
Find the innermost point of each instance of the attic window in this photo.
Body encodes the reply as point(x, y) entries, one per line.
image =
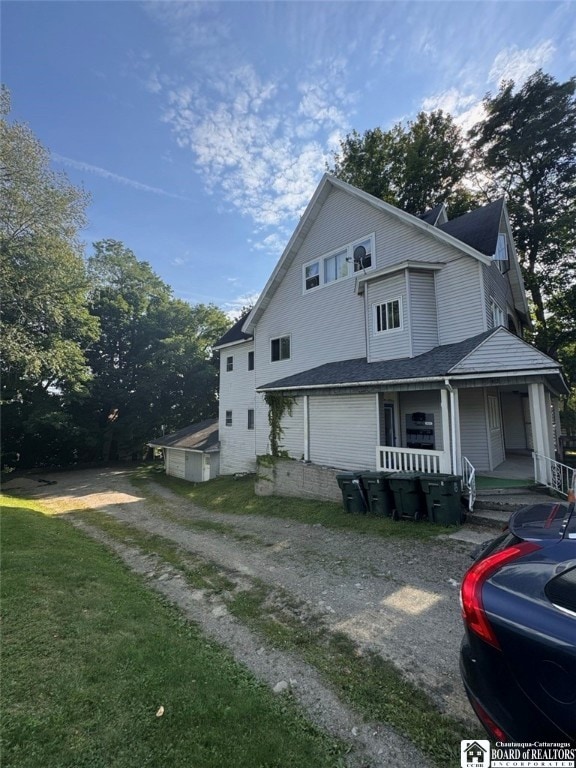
point(501, 256)
point(338, 265)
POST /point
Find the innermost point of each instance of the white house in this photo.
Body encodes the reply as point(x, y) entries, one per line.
point(399, 339)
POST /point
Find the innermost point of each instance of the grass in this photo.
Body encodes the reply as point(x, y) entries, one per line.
point(237, 497)
point(371, 685)
point(89, 655)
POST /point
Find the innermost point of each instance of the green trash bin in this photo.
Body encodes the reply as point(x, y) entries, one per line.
point(378, 493)
point(408, 498)
point(352, 492)
point(443, 494)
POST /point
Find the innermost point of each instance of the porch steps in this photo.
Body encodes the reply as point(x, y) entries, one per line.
point(493, 507)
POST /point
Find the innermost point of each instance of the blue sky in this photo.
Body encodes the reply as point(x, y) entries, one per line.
point(201, 129)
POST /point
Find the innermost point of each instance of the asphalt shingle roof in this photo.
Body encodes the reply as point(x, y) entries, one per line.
point(478, 228)
point(234, 334)
point(436, 362)
point(199, 437)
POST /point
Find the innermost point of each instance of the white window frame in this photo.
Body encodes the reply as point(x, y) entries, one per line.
point(250, 418)
point(228, 419)
point(229, 363)
point(321, 263)
point(498, 315)
point(376, 308)
point(279, 338)
point(502, 255)
point(251, 360)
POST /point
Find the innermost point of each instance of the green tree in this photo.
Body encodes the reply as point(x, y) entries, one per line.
point(152, 365)
point(527, 145)
point(413, 166)
point(45, 320)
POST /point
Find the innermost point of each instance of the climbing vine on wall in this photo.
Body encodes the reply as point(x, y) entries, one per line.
point(278, 405)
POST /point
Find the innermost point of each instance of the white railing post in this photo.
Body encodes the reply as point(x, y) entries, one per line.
point(559, 477)
point(469, 481)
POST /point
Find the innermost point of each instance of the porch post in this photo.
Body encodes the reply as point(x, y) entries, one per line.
point(539, 428)
point(549, 425)
point(556, 414)
point(446, 441)
point(455, 422)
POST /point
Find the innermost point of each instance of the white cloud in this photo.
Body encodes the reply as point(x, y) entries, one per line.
point(233, 307)
point(518, 64)
point(465, 108)
point(105, 174)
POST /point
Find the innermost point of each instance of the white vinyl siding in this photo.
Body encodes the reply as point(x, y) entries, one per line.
point(423, 314)
point(511, 353)
point(175, 462)
point(473, 428)
point(460, 300)
point(394, 343)
point(237, 442)
point(343, 431)
point(513, 421)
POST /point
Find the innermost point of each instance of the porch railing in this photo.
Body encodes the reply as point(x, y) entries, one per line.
point(390, 459)
point(469, 481)
point(554, 475)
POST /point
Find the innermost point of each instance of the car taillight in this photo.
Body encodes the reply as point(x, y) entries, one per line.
point(495, 732)
point(474, 579)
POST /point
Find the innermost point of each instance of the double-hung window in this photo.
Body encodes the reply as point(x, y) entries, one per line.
point(250, 361)
point(312, 275)
point(251, 418)
point(388, 316)
point(336, 267)
point(280, 348)
point(228, 418)
point(230, 363)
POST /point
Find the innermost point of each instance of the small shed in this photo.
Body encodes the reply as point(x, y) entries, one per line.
point(192, 453)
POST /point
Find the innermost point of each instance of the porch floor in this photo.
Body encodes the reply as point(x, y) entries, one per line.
point(517, 466)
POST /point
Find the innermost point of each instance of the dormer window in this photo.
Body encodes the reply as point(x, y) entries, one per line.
point(338, 265)
point(501, 256)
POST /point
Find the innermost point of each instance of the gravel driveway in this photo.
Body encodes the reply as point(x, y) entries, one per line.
point(396, 597)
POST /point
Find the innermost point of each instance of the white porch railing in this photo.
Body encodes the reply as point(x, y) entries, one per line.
point(390, 459)
point(548, 472)
point(469, 481)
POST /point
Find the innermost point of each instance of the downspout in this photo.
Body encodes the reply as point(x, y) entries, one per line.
point(306, 429)
point(450, 388)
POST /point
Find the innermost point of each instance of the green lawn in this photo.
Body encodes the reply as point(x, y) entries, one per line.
point(89, 655)
point(236, 496)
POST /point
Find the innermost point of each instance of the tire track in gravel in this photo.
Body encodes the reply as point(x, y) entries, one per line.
point(396, 597)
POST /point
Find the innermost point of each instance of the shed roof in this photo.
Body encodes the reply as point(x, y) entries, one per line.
point(196, 437)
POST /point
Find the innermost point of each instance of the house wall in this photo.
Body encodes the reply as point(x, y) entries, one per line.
point(513, 418)
point(423, 311)
point(497, 288)
point(427, 401)
point(175, 462)
point(237, 442)
point(473, 428)
point(344, 431)
point(329, 323)
point(395, 343)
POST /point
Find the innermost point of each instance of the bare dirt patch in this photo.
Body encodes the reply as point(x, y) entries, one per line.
point(396, 597)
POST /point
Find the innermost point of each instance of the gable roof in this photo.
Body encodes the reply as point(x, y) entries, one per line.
point(196, 437)
point(234, 335)
point(327, 184)
point(435, 216)
point(448, 360)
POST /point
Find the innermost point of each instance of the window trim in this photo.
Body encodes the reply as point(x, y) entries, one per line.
point(279, 338)
point(228, 419)
point(496, 310)
point(229, 363)
point(250, 419)
point(503, 264)
point(348, 249)
point(251, 360)
point(375, 308)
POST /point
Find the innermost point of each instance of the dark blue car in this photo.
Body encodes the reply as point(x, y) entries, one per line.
point(518, 655)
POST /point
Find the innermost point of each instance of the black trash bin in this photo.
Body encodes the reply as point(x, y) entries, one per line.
point(408, 498)
point(378, 493)
point(352, 492)
point(443, 494)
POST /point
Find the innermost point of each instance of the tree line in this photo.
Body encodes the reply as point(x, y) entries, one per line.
point(98, 356)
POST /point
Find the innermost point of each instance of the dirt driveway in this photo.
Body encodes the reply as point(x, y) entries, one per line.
point(397, 597)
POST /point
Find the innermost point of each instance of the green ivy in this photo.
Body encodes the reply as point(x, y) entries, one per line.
point(278, 405)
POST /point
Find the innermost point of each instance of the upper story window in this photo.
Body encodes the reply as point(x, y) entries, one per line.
point(230, 363)
point(250, 361)
point(228, 421)
point(498, 316)
point(280, 348)
point(388, 316)
point(338, 265)
point(251, 418)
point(501, 257)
